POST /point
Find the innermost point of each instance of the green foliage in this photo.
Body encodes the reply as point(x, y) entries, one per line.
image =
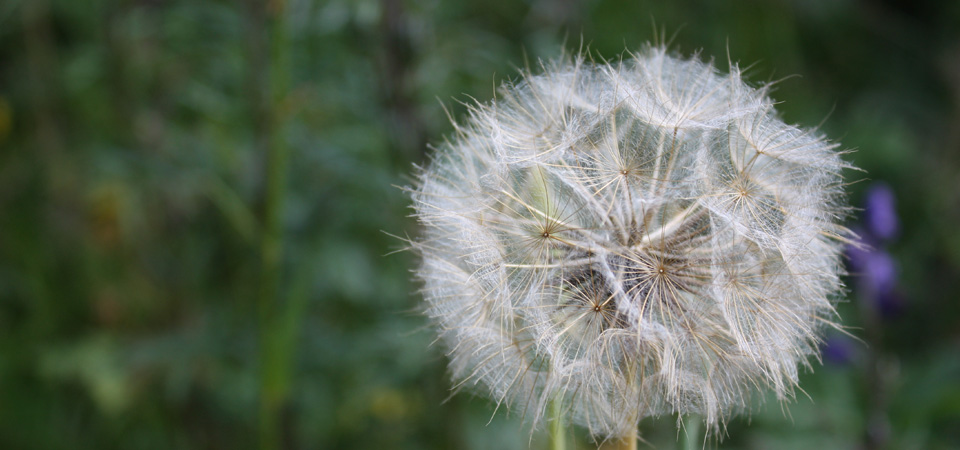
point(133, 184)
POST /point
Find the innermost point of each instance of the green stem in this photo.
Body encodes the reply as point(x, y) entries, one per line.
point(692, 440)
point(273, 382)
point(628, 442)
point(558, 435)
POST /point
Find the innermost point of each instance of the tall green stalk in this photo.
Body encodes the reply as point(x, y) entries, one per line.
point(273, 357)
point(692, 439)
point(628, 442)
point(558, 435)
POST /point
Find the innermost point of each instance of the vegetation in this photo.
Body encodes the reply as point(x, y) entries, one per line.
point(194, 198)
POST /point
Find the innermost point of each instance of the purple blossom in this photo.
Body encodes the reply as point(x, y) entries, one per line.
point(875, 269)
point(879, 272)
point(838, 350)
point(890, 303)
point(880, 212)
point(858, 253)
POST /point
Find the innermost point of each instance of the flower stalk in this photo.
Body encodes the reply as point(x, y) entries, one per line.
point(692, 438)
point(558, 433)
point(274, 338)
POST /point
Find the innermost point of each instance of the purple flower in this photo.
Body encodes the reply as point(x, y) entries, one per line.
point(879, 272)
point(838, 350)
point(876, 274)
point(859, 252)
point(890, 303)
point(880, 212)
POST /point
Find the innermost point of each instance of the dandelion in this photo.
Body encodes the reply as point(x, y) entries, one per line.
point(617, 241)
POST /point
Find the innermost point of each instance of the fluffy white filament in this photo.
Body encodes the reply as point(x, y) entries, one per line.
point(631, 240)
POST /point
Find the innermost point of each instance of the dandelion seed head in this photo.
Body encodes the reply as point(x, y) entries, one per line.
point(632, 239)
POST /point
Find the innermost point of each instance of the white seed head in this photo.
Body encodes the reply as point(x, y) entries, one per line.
point(631, 240)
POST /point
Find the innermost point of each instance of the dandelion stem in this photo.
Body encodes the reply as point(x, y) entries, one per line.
point(691, 433)
point(628, 442)
point(558, 436)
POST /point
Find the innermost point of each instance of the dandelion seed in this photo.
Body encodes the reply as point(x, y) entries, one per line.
point(631, 240)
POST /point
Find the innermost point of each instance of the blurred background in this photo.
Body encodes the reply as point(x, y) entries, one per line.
point(197, 200)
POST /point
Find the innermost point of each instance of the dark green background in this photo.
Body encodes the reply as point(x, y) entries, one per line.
point(134, 153)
